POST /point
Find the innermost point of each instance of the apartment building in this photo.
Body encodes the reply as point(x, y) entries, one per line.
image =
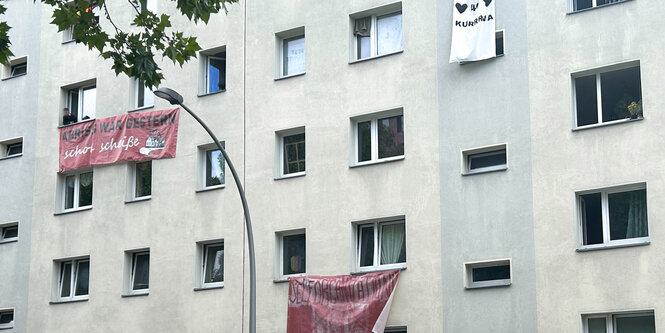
point(511, 193)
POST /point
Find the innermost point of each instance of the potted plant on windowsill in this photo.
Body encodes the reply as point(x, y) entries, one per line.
point(635, 109)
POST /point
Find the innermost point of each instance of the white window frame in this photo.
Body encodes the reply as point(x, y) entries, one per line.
point(63, 190)
point(132, 272)
point(469, 154)
point(131, 195)
point(73, 279)
point(374, 13)
point(607, 242)
point(11, 323)
point(279, 262)
point(280, 154)
point(136, 86)
point(4, 227)
point(377, 224)
point(374, 118)
point(10, 68)
point(468, 274)
point(203, 261)
point(597, 71)
point(80, 103)
point(5, 146)
point(68, 35)
point(610, 318)
point(201, 176)
point(204, 73)
point(395, 329)
point(282, 38)
point(150, 5)
point(594, 4)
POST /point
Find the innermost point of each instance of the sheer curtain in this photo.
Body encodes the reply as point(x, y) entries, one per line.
point(392, 243)
point(637, 215)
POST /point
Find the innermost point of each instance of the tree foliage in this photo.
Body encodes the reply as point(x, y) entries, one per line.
point(132, 52)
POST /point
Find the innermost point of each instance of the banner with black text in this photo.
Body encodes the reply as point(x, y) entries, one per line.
point(473, 30)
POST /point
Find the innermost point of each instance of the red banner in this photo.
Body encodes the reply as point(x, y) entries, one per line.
point(130, 137)
point(341, 304)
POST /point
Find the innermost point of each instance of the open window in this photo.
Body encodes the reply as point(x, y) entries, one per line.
point(484, 159)
point(290, 154)
point(8, 232)
point(376, 32)
point(15, 67)
point(6, 318)
point(11, 148)
point(142, 96)
point(491, 273)
point(212, 71)
point(80, 102)
point(73, 279)
point(210, 272)
point(137, 272)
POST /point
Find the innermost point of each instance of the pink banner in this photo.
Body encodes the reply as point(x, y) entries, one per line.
point(341, 304)
point(130, 137)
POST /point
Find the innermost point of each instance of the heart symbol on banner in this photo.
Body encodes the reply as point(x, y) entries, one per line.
point(461, 8)
point(487, 2)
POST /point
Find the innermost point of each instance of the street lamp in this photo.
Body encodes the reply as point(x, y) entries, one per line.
point(176, 99)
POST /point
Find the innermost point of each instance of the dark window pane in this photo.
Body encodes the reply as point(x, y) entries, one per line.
point(214, 263)
point(143, 179)
point(141, 86)
point(597, 325)
point(628, 214)
point(85, 189)
point(82, 274)
point(217, 72)
point(65, 279)
point(364, 141)
point(19, 69)
point(294, 153)
point(14, 149)
point(486, 160)
point(636, 324)
point(618, 90)
point(214, 167)
point(294, 254)
point(391, 137)
point(491, 273)
point(141, 271)
point(586, 100)
point(6, 317)
point(582, 4)
point(499, 44)
point(366, 241)
point(74, 103)
point(10, 232)
point(592, 219)
point(70, 183)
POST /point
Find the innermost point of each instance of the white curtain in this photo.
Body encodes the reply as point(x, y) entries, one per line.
point(637, 215)
point(392, 241)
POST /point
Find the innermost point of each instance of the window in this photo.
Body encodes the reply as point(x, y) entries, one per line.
point(211, 165)
point(378, 137)
point(76, 190)
point(139, 273)
point(140, 186)
point(11, 148)
point(292, 253)
point(291, 52)
point(9, 232)
point(613, 216)
point(381, 245)
point(212, 264)
point(377, 32)
point(68, 33)
point(483, 274)
point(608, 94)
point(484, 159)
point(80, 102)
point(143, 96)
point(213, 70)
point(290, 152)
point(499, 42)
point(150, 5)
point(15, 67)
point(6, 318)
point(627, 322)
point(73, 278)
point(396, 329)
point(586, 4)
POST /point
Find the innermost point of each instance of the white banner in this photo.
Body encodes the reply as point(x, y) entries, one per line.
point(473, 30)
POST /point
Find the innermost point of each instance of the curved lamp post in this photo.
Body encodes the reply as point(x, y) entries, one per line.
point(176, 99)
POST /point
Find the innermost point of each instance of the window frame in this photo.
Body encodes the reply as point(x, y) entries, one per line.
point(137, 86)
point(201, 171)
point(280, 153)
point(376, 259)
point(66, 100)
point(468, 154)
point(374, 14)
point(6, 145)
point(132, 272)
point(594, 5)
point(73, 279)
point(204, 248)
point(76, 195)
point(10, 324)
point(3, 232)
point(610, 318)
point(597, 71)
point(132, 177)
point(607, 241)
point(373, 118)
point(8, 70)
point(281, 40)
point(204, 70)
point(279, 262)
point(469, 283)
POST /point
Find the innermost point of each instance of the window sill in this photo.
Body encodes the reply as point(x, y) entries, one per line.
point(15, 76)
point(212, 93)
point(68, 41)
point(384, 160)
point(283, 279)
point(138, 199)
point(10, 240)
point(489, 284)
point(471, 173)
point(76, 123)
point(146, 293)
point(11, 156)
point(6, 328)
point(76, 210)
point(141, 108)
point(69, 301)
point(209, 287)
point(613, 246)
point(289, 76)
point(609, 123)
point(592, 8)
point(374, 57)
point(291, 175)
point(382, 269)
point(211, 188)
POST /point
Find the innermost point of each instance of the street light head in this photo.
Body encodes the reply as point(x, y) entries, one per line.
point(170, 95)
